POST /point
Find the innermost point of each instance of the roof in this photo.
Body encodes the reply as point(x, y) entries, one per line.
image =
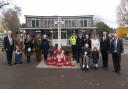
point(80, 16)
point(56, 28)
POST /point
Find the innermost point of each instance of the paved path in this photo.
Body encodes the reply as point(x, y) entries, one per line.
point(43, 65)
point(27, 76)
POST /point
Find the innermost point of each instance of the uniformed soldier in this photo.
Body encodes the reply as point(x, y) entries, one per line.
point(78, 46)
point(20, 44)
point(28, 47)
point(37, 46)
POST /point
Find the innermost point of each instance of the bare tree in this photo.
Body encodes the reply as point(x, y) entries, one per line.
point(122, 13)
point(3, 3)
point(11, 19)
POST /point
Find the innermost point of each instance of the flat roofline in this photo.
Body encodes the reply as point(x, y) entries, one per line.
point(59, 16)
point(62, 28)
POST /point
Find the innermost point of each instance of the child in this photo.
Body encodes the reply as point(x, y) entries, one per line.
point(17, 55)
point(95, 57)
point(86, 56)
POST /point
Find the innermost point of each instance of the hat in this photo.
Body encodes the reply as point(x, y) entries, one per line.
point(80, 32)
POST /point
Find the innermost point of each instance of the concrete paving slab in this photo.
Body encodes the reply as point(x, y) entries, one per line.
point(43, 65)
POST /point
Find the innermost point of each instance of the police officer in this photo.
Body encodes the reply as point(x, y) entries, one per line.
point(78, 46)
point(73, 44)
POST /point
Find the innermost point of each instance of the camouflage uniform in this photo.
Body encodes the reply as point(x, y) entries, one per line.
point(19, 43)
point(37, 46)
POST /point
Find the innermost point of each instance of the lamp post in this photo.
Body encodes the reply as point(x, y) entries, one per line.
point(59, 22)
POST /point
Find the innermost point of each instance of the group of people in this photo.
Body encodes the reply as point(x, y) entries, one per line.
point(85, 48)
point(19, 46)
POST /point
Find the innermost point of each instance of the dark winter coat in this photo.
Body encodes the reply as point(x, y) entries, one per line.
point(105, 44)
point(86, 41)
point(45, 46)
point(86, 50)
point(78, 43)
point(28, 44)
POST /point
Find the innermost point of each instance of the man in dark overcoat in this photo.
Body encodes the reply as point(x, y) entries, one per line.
point(45, 47)
point(9, 46)
point(104, 48)
point(116, 50)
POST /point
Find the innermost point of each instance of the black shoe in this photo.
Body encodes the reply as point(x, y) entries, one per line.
point(105, 68)
point(73, 60)
point(118, 72)
point(94, 68)
point(114, 71)
point(28, 62)
point(38, 60)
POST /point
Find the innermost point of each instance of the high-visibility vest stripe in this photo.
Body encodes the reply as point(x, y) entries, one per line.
point(73, 40)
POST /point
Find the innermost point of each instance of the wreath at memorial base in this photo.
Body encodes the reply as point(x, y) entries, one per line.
point(59, 59)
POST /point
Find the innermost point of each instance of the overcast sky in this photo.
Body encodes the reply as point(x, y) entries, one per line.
point(104, 9)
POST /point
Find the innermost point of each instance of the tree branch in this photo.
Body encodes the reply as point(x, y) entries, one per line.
point(3, 4)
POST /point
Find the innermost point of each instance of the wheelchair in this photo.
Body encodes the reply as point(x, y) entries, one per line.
point(85, 62)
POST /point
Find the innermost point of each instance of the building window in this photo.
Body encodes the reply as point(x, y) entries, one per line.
point(55, 34)
point(50, 23)
point(81, 23)
point(43, 23)
point(66, 23)
point(73, 23)
point(46, 24)
point(56, 25)
point(69, 33)
point(78, 23)
point(70, 23)
point(29, 23)
point(37, 23)
point(63, 34)
point(33, 23)
point(85, 23)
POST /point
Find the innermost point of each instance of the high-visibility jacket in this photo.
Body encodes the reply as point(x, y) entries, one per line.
point(73, 39)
